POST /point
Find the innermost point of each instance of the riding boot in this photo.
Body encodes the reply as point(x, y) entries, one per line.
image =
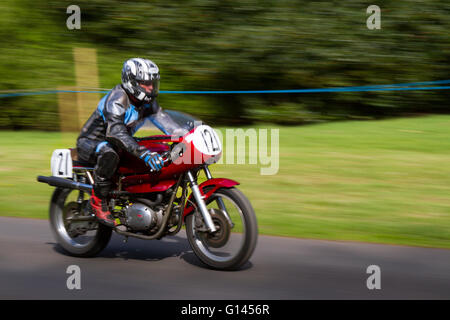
point(99, 203)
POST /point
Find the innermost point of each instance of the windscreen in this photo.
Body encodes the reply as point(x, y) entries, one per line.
point(184, 120)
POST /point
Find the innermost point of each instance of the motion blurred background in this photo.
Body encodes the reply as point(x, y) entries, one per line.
point(385, 180)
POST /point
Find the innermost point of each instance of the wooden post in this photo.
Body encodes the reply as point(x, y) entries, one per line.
point(86, 79)
point(68, 114)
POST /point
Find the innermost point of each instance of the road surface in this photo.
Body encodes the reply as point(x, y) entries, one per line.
point(33, 266)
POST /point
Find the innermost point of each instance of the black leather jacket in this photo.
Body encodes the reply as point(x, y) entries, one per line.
point(116, 120)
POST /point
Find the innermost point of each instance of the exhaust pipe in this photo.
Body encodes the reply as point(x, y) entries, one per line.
point(65, 183)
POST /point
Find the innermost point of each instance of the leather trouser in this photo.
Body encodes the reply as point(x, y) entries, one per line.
point(106, 162)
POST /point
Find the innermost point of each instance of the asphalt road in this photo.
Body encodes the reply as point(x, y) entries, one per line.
point(32, 266)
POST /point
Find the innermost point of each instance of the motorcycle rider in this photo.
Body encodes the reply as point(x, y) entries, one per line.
point(112, 125)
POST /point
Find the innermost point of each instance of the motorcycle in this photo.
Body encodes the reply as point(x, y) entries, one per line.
point(220, 223)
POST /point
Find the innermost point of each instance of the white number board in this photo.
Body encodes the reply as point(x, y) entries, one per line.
point(61, 163)
point(206, 140)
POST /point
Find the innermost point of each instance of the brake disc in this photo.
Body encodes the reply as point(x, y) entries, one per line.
point(219, 238)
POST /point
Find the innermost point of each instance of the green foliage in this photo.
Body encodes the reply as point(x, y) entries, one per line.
point(232, 45)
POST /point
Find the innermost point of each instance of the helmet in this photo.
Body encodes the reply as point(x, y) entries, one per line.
point(140, 78)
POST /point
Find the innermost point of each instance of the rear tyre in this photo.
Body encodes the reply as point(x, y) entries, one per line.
point(80, 239)
point(234, 242)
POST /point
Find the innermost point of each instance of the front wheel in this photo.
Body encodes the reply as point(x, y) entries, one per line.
point(233, 243)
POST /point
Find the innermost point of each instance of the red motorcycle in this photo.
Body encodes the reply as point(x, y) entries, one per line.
point(220, 222)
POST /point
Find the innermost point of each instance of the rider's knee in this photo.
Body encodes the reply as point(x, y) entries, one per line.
point(107, 161)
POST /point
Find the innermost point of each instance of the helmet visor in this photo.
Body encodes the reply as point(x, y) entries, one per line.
point(150, 87)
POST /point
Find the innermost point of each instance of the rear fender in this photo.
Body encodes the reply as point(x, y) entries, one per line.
point(213, 184)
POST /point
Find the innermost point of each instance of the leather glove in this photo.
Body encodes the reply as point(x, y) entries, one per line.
point(152, 159)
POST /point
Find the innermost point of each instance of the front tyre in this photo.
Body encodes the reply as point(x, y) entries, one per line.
point(232, 245)
point(78, 238)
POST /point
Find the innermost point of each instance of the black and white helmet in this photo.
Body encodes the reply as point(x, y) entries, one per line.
point(140, 78)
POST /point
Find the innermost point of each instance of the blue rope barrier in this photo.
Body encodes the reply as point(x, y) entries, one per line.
point(21, 94)
point(387, 87)
point(309, 90)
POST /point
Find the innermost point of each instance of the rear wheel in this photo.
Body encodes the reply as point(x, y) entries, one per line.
point(73, 227)
point(233, 243)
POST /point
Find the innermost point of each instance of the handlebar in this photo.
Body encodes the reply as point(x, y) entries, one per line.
point(171, 155)
point(167, 157)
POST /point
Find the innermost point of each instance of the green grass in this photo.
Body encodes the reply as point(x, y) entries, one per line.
point(376, 181)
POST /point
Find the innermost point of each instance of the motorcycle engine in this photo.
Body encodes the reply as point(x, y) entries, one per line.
point(141, 217)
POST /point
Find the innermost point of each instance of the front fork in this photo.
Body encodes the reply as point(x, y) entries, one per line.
point(219, 200)
point(201, 204)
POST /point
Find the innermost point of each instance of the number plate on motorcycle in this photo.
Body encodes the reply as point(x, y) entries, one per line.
point(206, 140)
point(61, 163)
